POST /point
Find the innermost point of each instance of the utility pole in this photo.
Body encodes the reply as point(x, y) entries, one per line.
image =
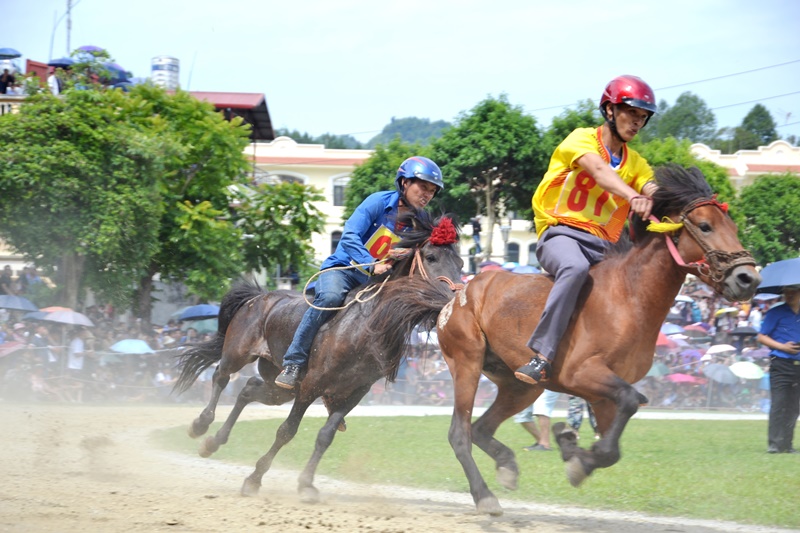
point(69, 24)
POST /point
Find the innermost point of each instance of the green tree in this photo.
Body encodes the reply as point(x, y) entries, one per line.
point(277, 222)
point(328, 139)
point(771, 211)
point(585, 115)
point(492, 160)
point(78, 191)
point(410, 130)
point(690, 118)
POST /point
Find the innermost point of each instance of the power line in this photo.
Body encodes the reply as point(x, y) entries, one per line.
point(692, 83)
point(754, 101)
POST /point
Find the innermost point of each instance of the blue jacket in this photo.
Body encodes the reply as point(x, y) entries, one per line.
point(781, 324)
point(378, 209)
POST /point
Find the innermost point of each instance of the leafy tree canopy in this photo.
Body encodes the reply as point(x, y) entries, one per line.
point(690, 118)
point(771, 209)
point(328, 139)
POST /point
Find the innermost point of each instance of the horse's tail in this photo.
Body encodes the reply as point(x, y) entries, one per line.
point(199, 357)
point(404, 305)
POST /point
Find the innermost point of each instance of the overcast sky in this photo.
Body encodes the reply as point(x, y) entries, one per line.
point(349, 66)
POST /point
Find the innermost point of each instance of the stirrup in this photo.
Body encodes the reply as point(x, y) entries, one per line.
point(537, 371)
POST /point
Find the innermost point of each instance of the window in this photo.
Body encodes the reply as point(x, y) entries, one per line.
point(336, 236)
point(513, 252)
point(261, 177)
point(339, 187)
point(532, 255)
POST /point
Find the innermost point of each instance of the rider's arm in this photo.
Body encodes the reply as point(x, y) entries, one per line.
point(608, 180)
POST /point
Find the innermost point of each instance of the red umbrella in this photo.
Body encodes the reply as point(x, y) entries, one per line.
point(685, 378)
point(665, 342)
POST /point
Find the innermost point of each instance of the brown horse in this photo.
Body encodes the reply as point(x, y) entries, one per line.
point(357, 347)
point(611, 338)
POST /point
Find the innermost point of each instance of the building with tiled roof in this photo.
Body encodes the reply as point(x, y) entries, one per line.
point(745, 166)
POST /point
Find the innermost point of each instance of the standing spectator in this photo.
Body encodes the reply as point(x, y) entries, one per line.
point(54, 82)
point(780, 331)
point(575, 415)
point(77, 364)
point(542, 409)
point(6, 281)
point(476, 233)
point(41, 342)
point(754, 320)
point(7, 80)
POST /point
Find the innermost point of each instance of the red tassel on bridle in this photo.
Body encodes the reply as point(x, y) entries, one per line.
point(444, 233)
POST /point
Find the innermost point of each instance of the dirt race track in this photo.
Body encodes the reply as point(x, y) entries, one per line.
point(71, 468)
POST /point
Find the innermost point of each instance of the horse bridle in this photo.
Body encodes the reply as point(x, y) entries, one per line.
point(715, 264)
point(417, 263)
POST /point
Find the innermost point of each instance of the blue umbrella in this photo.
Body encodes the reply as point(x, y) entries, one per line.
point(131, 346)
point(780, 274)
point(90, 48)
point(668, 328)
point(199, 312)
point(61, 62)
point(16, 303)
point(34, 315)
point(9, 53)
point(526, 269)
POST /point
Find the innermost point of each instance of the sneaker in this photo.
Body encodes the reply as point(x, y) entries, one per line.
point(537, 370)
point(288, 377)
point(537, 448)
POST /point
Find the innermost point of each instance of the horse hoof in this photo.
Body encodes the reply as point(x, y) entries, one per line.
point(250, 488)
point(208, 447)
point(575, 472)
point(507, 478)
point(489, 505)
point(342, 426)
point(309, 495)
point(196, 430)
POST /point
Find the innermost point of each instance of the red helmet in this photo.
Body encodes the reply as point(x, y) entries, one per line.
point(628, 90)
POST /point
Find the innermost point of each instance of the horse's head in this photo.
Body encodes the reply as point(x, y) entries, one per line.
point(700, 234)
point(428, 249)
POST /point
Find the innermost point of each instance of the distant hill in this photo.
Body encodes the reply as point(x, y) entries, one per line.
point(410, 130)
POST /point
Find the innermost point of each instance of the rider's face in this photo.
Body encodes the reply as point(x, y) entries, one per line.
point(629, 120)
point(418, 193)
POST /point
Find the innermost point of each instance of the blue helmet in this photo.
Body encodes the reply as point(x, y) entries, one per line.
point(421, 168)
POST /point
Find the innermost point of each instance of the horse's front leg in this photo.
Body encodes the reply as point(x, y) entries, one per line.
point(285, 433)
point(621, 402)
point(256, 390)
point(305, 484)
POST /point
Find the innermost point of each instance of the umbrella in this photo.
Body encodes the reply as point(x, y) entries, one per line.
point(90, 48)
point(199, 312)
point(208, 325)
point(683, 298)
point(744, 331)
point(758, 353)
point(510, 265)
point(54, 308)
point(779, 274)
point(489, 267)
point(720, 374)
point(526, 269)
point(9, 53)
point(484, 264)
point(16, 303)
point(657, 370)
point(665, 341)
point(690, 355)
point(116, 71)
point(726, 311)
point(747, 370)
point(668, 328)
point(70, 317)
point(697, 326)
point(34, 315)
point(684, 378)
point(720, 348)
point(61, 62)
point(131, 346)
point(764, 296)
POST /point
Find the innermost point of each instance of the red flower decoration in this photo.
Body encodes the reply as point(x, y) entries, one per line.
point(444, 233)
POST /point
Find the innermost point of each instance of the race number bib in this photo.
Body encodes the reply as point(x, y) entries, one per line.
point(583, 199)
point(381, 242)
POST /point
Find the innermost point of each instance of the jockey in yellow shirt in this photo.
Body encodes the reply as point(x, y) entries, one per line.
point(580, 208)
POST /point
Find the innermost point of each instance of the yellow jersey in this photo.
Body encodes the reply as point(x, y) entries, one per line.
point(569, 195)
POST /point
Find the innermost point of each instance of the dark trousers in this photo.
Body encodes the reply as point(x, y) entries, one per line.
point(784, 383)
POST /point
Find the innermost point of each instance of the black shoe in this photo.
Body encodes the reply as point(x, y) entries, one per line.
point(538, 370)
point(772, 449)
point(791, 450)
point(288, 377)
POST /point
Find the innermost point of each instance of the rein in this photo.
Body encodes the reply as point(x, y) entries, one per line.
point(364, 295)
point(715, 264)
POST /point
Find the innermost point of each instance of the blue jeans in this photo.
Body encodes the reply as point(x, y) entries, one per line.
point(330, 291)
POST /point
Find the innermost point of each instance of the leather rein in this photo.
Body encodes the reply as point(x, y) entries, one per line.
point(715, 264)
point(417, 264)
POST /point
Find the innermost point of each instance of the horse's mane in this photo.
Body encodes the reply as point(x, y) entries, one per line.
point(677, 188)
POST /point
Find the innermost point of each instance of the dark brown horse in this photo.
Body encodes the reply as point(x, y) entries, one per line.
point(358, 346)
point(611, 338)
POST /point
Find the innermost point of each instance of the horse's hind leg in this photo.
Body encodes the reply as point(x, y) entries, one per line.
point(222, 376)
point(256, 390)
point(285, 433)
point(305, 485)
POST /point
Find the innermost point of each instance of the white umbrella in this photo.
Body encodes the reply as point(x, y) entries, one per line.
point(747, 370)
point(720, 348)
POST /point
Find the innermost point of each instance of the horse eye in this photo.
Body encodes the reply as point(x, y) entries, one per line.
point(705, 227)
point(430, 258)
